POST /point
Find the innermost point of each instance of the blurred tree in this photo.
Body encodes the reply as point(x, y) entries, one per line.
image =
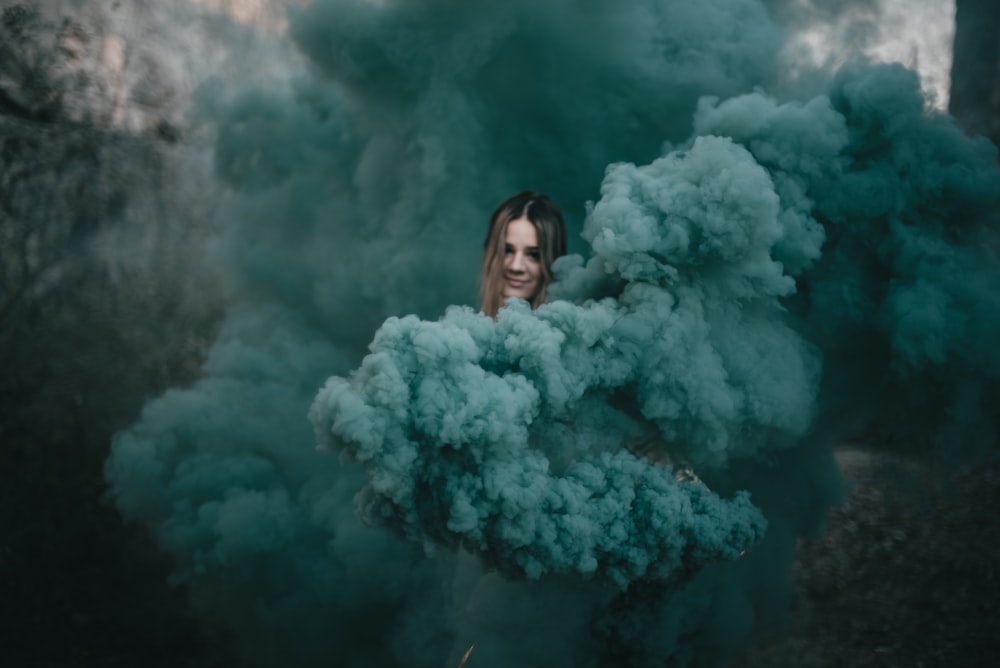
point(89, 239)
point(95, 315)
point(975, 70)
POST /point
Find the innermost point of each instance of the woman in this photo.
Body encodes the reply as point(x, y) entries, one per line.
point(526, 235)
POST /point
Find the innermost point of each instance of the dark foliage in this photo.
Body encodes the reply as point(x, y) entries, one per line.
point(85, 338)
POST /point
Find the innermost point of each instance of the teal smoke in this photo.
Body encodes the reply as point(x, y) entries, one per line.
point(461, 422)
point(756, 279)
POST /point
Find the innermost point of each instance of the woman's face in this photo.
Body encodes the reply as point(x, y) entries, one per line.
point(522, 263)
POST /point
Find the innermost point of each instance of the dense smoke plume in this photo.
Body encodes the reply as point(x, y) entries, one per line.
point(759, 277)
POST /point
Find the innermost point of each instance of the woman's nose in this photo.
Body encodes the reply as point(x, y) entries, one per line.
point(517, 262)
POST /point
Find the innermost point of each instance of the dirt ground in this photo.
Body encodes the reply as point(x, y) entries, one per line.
point(906, 574)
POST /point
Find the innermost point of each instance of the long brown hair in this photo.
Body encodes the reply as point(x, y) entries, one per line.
point(548, 222)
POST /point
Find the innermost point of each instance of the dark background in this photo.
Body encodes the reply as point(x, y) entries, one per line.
point(905, 575)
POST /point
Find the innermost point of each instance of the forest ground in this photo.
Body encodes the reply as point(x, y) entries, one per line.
point(906, 574)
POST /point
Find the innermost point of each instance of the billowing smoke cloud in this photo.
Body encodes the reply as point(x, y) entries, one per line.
point(456, 416)
point(903, 300)
point(576, 483)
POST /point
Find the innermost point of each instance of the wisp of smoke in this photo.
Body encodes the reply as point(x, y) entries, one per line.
point(576, 483)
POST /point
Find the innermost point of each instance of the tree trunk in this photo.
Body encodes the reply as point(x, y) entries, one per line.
point(975, 70)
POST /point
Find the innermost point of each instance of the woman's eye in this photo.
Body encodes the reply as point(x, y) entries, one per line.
point(508, 250)
point(535, 255)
